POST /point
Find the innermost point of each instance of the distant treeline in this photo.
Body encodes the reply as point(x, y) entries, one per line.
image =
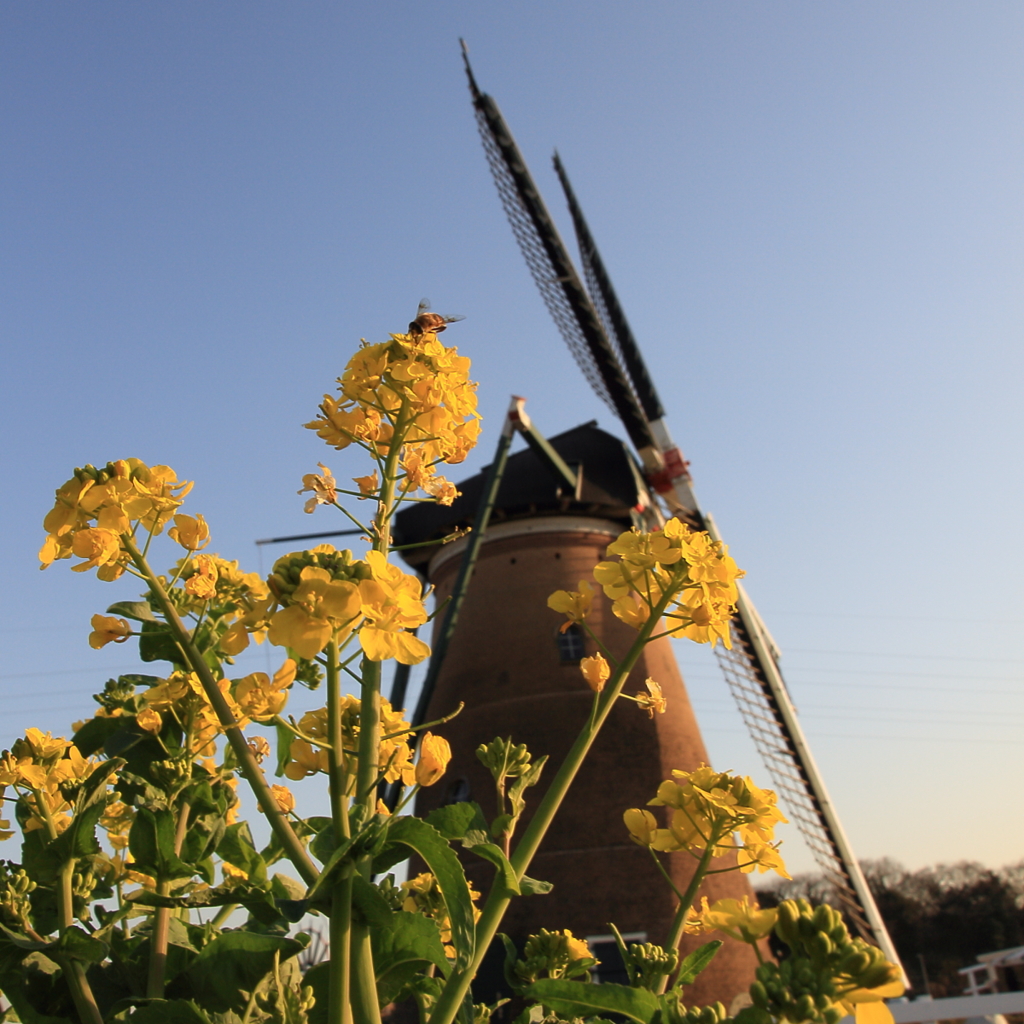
point(943, 916)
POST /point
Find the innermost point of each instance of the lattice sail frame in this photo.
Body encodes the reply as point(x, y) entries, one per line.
point(750, 668)
point(541, 268)
point(761, 716)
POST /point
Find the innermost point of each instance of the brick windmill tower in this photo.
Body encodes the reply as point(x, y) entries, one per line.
point(519, 676)
point(543, 518)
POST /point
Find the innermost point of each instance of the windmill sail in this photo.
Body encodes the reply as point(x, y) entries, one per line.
point(598, 334)
point(554, 274)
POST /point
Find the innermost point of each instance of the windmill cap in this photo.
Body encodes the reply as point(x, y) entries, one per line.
point(612, 489)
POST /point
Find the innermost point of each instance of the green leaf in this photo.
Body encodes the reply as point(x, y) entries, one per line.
point(163, 1011)
point(506, 873)
point(156, 644)
point(79, 838)
point(322, 844)
point(151, 841)
point(79, 945)
point(237, 848)
point(74, 944)
point(231, 966)
point(392, 854)
point(330, 868)
point(94, 787)
point(367, 899)
point(458, 821)
point(433, 848)
point(402, 950)
point(581, 999)
point(509, 965)
point(93, 736)
point(697, 961)
point(41, 974)
point(284, 748)
point(137, 610)
point(534, 887)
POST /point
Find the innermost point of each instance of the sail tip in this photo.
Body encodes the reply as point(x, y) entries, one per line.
point(469, 70)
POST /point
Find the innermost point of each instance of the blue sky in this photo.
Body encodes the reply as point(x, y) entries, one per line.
point(812, 213)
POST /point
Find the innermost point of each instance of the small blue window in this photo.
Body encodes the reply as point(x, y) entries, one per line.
point(570, 645)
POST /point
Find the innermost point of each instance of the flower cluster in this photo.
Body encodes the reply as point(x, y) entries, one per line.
point(827, 975)
point(697, 570)
point(183, 697)
point(739, 919)
point(322, 595)
point(422, 895)
point(308, 752)
point(97, 507)
point(411, 391)
point(220, 582)
point(41, 767)
point(686, 572)
point(707, 809)
point(554, 954)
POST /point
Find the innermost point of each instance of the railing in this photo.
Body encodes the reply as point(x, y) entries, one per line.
point(923, 1011)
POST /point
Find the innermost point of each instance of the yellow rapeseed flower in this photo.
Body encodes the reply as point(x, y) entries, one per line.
point(149, 720)
point(392, 604)
point(739, 919)
point(368, 485)
point(867, 1005)
point(320, 607)
point(708, 808)
point(323, 486)
point(574, 604)
point(261, 698)
point(642, 825)
point(284, 798)
point(202, 584)
point(108, 629)
point(652, 702)
point(694, 571)
point(191, 532)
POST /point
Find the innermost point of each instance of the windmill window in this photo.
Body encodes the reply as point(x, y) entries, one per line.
point(605, 949)
point(570, 645)
point(458, 792)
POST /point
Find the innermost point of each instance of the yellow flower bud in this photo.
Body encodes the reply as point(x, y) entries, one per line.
point(596, 672)
point(641, 824)
point(149, 720)
point(435, 753)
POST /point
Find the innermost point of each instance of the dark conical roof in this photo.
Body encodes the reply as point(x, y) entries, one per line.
point(612, 488)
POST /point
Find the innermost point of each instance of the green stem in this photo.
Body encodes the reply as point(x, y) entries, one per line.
point(675, 933)
point(74, 970)
point(458, 983)
point(339, 989)
point(162, 918)
point(158, 945)
point(337, 775)
point(247, 763)
point(365, 1006)
point(223, 914)
point(339, 1007)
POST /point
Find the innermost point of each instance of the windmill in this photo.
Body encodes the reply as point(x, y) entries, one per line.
point(590, 318)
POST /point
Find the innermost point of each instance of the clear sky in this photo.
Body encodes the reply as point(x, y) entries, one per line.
point(812, 213)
